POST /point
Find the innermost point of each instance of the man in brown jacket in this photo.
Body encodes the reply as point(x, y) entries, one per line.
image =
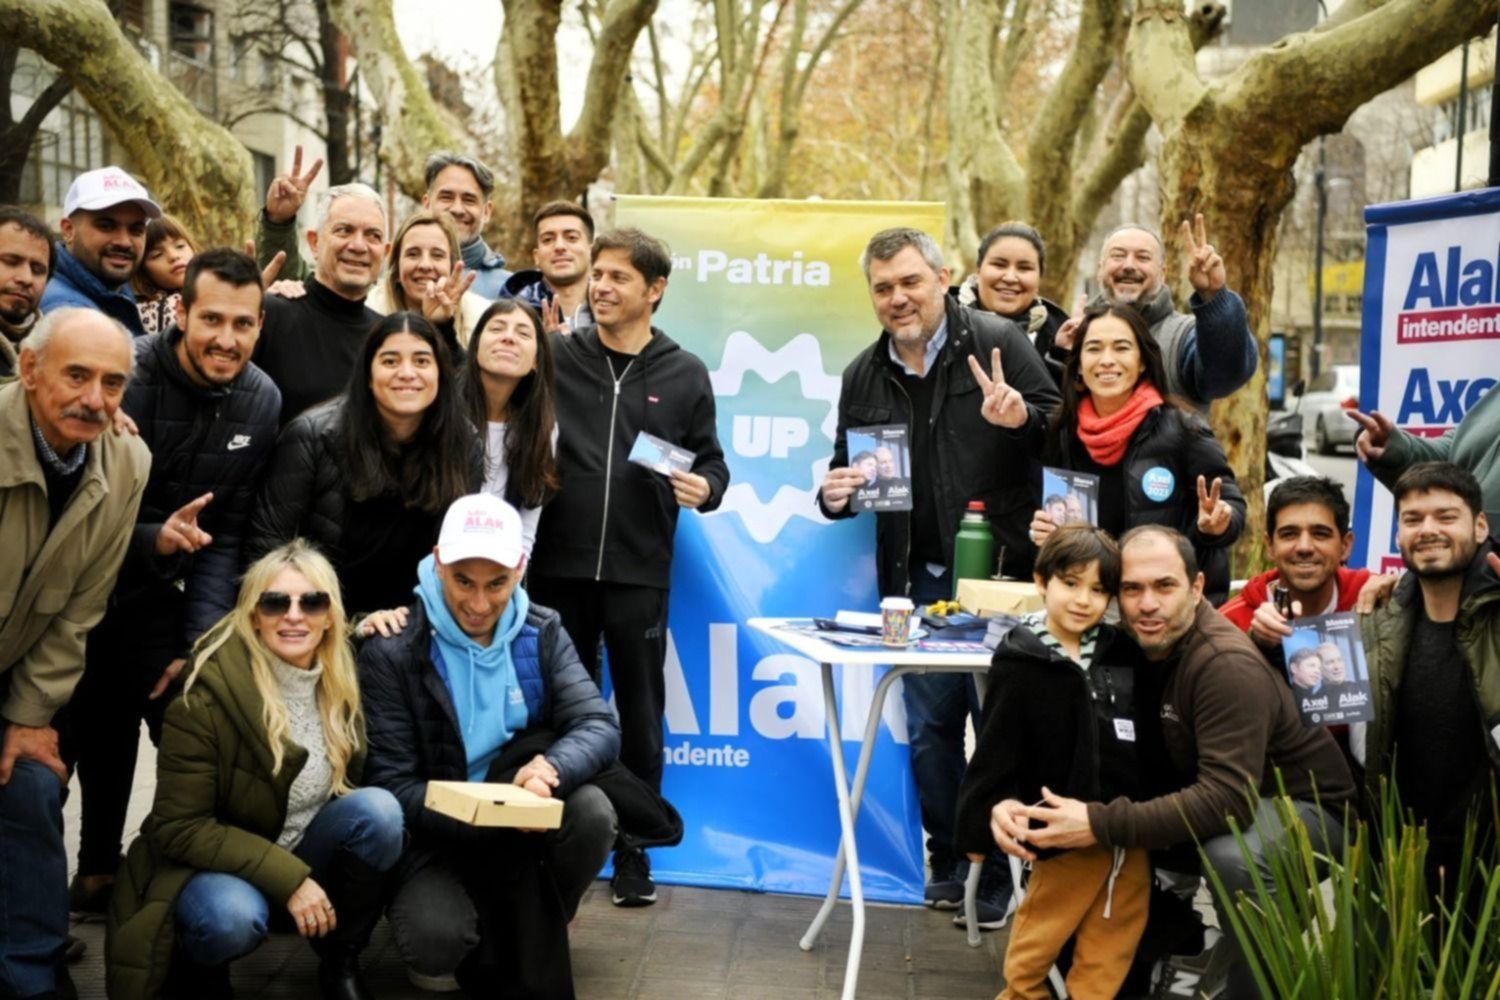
point(1229, 733)
point(69, 491)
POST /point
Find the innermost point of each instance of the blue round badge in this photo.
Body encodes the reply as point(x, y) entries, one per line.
point(1157, 483)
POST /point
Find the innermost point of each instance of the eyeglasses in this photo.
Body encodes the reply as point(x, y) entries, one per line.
point(275, 603)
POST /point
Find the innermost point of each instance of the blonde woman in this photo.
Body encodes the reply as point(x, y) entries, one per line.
point(425, 274)
point(257, 824)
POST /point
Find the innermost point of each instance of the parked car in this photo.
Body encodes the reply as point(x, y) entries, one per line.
point(1325, 404)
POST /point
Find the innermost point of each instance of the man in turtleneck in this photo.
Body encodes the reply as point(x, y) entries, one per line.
point(308, 344)
point(26, 260)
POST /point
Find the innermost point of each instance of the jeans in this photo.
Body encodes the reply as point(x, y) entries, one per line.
point(221, 917)
point(936, 706)
point(33, 880)
point(1265, 833)
point(434, 920)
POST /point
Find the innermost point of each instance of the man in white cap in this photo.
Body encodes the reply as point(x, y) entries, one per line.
point(103, 242)
point(475, 683)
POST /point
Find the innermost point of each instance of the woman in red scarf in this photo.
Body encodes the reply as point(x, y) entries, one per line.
point(1157, 461)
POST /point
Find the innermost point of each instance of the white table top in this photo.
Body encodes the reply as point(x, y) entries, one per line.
point(821, 651)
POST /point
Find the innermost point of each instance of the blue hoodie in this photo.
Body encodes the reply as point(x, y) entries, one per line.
point(72, 284)
point(487, 698)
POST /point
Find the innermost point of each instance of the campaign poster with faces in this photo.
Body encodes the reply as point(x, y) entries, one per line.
point(1325, 664)
point(1070, 497)
point(880, 454)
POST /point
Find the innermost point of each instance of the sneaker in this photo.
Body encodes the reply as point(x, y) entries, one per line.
point(945, 889)
point(992, 902)
point(432, 984)
point(89, 904)
point(1200, 975)
point(632, 883)
point(73, 949)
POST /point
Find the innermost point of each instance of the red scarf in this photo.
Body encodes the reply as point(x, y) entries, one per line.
point(1106, 437)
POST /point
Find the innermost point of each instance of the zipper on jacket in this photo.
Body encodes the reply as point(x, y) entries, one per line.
point(609, 458)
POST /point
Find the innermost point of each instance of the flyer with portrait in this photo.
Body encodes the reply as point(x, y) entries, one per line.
point(881, 456)
point(1070, 497)
point(1325, 664)
point(660, 456)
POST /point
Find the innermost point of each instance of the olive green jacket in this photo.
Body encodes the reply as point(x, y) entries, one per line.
point(218, 808)
point(1387, 639)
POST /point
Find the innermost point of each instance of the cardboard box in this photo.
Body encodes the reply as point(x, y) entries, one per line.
point(480, 803)
point(992, 597)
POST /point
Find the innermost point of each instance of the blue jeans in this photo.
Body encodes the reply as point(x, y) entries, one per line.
point(221, 917)
point(936, 705)
point(33, 879)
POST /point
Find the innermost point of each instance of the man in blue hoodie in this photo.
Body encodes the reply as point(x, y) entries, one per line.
point(456, 689)
point(103, 242)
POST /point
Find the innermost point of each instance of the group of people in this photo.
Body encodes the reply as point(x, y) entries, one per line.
point(373, 525)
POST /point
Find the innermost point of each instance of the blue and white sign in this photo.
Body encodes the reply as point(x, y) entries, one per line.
point(1157, 483)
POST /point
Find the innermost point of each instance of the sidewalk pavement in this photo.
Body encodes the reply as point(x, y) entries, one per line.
point(694, 944)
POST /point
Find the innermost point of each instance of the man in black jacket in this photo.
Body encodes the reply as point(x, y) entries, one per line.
point(918, 374)
point(209, 417)
point(451, 691)
point(603, 554)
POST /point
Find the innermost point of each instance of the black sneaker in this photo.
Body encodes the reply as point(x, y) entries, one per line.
point(945, 889)
point(632, 883)
point(86, 904)
point(992, 901)
point(73, 949)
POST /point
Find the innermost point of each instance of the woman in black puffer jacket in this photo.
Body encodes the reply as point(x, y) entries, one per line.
point(367, 477)
point(1007, 280)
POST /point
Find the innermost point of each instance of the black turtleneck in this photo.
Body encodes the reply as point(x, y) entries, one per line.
point(309, 345)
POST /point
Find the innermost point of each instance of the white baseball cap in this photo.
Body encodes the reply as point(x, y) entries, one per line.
point(106, 188)
point(481, 526)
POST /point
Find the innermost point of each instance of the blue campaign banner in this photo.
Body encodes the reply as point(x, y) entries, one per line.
point(771, 297)
point(1431, 319)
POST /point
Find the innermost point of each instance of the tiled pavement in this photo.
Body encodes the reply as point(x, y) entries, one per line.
point(694, 944)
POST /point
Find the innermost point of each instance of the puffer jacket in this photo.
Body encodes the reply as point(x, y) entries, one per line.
point(55, 582)
point(74, 285)
point(973, 459)
point(1040, 323)
point(1180, 443)
point(306, 488)
point(218, 808)
point(204, 440)
point(414, 734)
point(1387, 633)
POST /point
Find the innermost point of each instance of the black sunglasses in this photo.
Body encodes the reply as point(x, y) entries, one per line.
point(274, 602)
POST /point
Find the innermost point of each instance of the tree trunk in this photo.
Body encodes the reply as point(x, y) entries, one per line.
point(16, 137)
point(338, 103)
point(194, 167)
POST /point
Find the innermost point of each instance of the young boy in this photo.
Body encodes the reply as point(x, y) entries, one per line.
point(1059, 714)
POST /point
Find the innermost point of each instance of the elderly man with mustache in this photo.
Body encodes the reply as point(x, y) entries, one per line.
point(69, 491)
point(209, 417)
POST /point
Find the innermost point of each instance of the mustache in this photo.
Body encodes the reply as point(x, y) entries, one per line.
point(84, 413)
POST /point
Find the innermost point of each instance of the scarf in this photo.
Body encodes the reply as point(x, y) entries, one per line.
point(487, 697)
point(1107, 437)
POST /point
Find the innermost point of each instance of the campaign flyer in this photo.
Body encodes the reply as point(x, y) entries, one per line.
point(881, 455)
point(1325, 664)
point(659, 456)
point(1070, 497)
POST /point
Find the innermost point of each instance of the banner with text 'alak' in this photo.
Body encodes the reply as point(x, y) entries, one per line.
point(1430, 336)
point(770, 295)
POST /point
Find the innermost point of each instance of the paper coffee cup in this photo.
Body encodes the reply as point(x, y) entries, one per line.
point(895, 620)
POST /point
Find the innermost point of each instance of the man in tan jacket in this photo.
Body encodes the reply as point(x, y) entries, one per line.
point(69, 492)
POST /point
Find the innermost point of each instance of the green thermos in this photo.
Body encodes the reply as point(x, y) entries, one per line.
point(974, 547)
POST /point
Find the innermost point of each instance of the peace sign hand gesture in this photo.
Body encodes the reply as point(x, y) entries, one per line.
point(288, 191)
point(443, 295)
point(180, 531)
point(1205, 266)
point(1214, 514)
point(1003, 406)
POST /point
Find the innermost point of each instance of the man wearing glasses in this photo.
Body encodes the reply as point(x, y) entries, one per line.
point(69, 491)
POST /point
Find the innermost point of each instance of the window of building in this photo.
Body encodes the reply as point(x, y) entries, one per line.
point(192, 33)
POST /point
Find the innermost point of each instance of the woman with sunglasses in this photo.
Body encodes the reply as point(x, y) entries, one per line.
point(367, 477)
point(257, 823)
point(1156, 459)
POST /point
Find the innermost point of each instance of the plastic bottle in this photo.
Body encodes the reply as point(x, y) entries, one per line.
point(974, 547)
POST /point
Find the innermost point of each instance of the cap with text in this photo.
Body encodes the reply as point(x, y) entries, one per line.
point(107, 187)
point(481, 526)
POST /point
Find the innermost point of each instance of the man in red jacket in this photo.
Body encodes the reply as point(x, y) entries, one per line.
point(1308, 539)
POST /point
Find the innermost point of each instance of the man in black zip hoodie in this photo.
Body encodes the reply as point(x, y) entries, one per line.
point(603, 556)
point(919, 373)
point(209, 417)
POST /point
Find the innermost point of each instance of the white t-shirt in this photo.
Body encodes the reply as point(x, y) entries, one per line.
point(497, 474)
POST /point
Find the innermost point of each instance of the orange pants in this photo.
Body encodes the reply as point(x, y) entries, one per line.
point(1066, 896)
